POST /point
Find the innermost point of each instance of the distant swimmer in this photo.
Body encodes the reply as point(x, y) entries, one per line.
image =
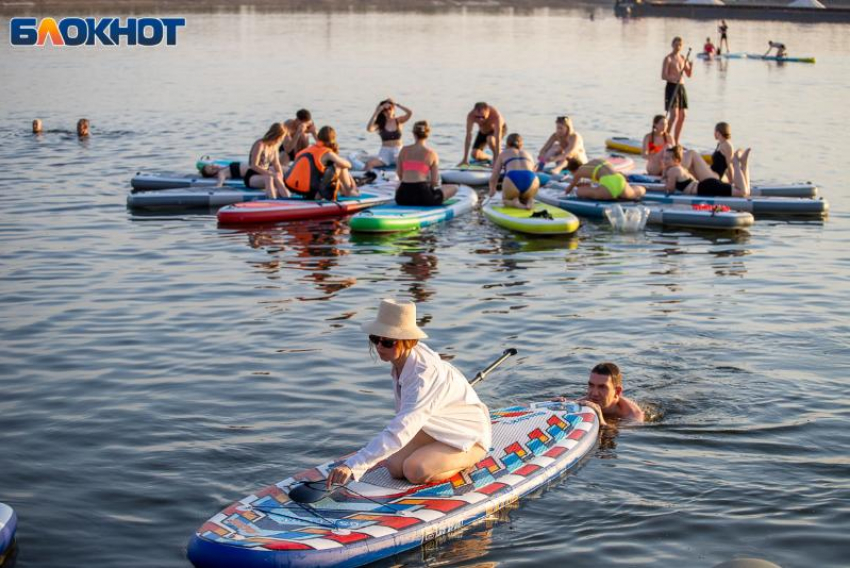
point(233, 170)
point(83, 127)
point(418, 169)
point(673, 71)
point(605, 395)
point(388, 126)
point(606, 184)
point(679, 177)
point(264, 170)
point(491, 129)
point(723, 28)
point(708, 49)
point(780, 48)
point(299, 130)
point(319, 172)
point(520, 182)
point(37, 127)
point(654, 144)
point(565, 148)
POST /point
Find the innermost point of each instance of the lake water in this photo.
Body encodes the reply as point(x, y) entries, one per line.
point(156, 368)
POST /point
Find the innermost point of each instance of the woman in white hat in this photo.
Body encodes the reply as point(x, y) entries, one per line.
point(441, 427)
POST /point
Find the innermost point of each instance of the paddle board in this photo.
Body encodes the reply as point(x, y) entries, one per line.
point(479, 173)
point(379, 516)
point(559, 221)
point(277, 210)
point(671, 215)
point(758, 206)
point(634, 145)
point(157, 181)
point(802, 189)
point(709, 57)
point(8, 526)
point(191, 198)
point(394, 218)
point(782, 59)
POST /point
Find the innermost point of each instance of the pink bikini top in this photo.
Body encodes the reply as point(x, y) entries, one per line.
point(417, 166)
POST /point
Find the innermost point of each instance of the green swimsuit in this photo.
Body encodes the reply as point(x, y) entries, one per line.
point(615, 183)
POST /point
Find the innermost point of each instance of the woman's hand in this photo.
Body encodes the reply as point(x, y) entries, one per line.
point(340, 475)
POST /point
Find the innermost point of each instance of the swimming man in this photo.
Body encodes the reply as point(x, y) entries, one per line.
point(605, 395)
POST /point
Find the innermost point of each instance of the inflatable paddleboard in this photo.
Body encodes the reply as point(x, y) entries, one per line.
point(191, 198)
point(394, 218)
point(708, 57)
point(8, 526)
point(479, 173)
point(558, 221)
point(277, 210)
point(782, 59)
point(758, 206)
point(802, 189)
point(379, 516)
point(670, 215)
point(158, 181)
point(634, 145)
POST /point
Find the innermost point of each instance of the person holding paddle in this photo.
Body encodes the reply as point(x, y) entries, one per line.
point(441, 427)
point(673, 71)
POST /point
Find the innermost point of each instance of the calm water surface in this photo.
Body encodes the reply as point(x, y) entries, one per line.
point(155, 368)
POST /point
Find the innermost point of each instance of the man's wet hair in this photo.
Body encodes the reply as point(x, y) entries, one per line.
point(609, 370)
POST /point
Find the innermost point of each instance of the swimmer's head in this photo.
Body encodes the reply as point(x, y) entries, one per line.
point(36, 126)
point(605, 384)
point(83, 127)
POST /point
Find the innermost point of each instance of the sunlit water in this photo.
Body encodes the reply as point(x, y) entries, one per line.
point(156, 368)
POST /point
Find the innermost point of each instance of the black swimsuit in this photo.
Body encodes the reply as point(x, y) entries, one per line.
point(719, 165)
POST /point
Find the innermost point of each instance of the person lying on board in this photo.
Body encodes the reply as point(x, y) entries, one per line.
point(233, 170)
point(388, 126)
point(441, 427)
point(598, 179)
point(418, 169)
point(654, 144)
point(605, 395)
point(688, 173)
point(491, 129)
point(515, 167)
point(319, 172)
point(565, 147)
point(781, 51)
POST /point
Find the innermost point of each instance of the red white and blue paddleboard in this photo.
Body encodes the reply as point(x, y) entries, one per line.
point(379, 516)
point(8, 526)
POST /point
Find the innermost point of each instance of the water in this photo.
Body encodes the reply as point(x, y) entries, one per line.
point(156, 368)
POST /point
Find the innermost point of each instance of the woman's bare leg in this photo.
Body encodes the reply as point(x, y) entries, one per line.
point(395, 463)
point(449, 191)
point(741, 173)
point(439, 461)
point(694, 163)
point(347, 183)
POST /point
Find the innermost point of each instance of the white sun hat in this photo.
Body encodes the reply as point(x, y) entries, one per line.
point(396, 320)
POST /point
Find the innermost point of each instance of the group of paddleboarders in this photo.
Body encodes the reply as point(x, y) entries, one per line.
point(441, 427)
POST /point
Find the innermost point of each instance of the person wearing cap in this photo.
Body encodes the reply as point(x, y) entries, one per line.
point(441, 427)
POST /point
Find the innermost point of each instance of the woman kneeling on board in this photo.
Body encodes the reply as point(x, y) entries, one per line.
point(606, 183)
point(418, 169)
point(441, 427)
point(520, 183)
point(678, 177)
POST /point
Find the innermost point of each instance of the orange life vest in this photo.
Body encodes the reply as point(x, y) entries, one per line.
point(305, 175)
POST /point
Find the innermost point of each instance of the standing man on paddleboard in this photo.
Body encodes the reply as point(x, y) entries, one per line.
point(605, 395)
point(491, 129)
point(723, 28)
point(673, 71)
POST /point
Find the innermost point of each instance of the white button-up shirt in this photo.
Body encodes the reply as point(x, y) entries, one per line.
point(430, 395)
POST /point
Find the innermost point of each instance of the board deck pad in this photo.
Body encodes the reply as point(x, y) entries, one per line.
point(521, 220)
point(379, 516)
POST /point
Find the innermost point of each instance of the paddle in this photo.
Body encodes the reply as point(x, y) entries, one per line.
point(308, 492)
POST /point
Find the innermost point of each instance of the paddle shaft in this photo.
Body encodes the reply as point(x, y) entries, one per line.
point(483, 374)
point(678, 86)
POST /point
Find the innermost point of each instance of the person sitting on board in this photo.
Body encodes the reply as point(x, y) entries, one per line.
point(264, 170)
point(491, 129)
point(605, 183)
point(233, 170)
point(520, 182)
point(299, 131)
point(441, 427)
point(605, 395)
point(565, 147)
point(654, 144)
point(83, 127)
point(781, 51)
point(418, 169)
point(724, 153)
point(708, 49)
point(388, 126)
point(677, 177)
point(319, 172)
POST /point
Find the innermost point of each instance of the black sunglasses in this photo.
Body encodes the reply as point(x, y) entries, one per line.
point(383, 341)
